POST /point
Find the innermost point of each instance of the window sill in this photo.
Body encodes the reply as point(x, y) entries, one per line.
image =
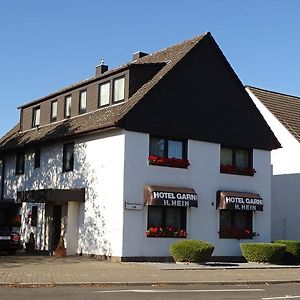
point(230, 169)
point(166, 165)
point(235, 237)
point(237, 173)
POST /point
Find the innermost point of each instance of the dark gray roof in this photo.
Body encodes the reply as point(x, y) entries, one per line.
point(105, 117)
point(285, 108)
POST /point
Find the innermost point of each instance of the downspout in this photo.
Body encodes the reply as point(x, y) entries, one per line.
point(2, 178)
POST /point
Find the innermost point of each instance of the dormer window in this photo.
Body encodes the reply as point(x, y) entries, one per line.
point(53, 117)
point(119, 89)
point(104, 91)
point(68, 106)
point(82, 102)
point(36, 116)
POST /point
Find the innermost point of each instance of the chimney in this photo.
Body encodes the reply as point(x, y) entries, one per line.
point(102, 68)
point(138, 55)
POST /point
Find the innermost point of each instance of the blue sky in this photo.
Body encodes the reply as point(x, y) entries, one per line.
point(46, 45)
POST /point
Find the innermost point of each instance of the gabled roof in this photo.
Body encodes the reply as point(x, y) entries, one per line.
point(104, 117)
point(286, 108)
point(170, 59)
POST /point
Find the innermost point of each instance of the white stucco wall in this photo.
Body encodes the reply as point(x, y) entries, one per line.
point(286, 207)
point(284, 160)
point(112, 175)
point(204, 176)
point(98, 167)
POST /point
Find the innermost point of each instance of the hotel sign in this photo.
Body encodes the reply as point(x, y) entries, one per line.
point(167, 196)
point(240, 201)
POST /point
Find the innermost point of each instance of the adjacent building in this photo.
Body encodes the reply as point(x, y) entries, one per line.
point(282, 113)
point(168, 146)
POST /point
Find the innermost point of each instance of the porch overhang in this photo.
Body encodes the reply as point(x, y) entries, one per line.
point(51, 195)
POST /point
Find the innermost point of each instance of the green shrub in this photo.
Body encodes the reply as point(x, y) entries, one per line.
point(262, 252)
point(292, 251)
point(194, 251)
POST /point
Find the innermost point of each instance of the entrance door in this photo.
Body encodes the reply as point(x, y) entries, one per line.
point(56, 225)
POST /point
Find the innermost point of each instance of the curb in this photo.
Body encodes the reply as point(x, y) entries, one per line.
point(145, 283)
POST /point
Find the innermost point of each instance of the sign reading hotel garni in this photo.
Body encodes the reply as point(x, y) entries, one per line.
point(240, 201)
point(175, 199)
point(170, 196)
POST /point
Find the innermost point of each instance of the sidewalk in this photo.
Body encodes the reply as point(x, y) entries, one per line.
point(75, 270)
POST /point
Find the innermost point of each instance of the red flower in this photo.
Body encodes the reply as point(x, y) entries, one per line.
point(237, 170)
point(236, 233)
point(166, 161)
point(168, 231)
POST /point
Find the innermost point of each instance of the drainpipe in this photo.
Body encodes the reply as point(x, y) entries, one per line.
point(2, 179)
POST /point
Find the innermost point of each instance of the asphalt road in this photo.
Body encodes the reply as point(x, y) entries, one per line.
point(262, 292)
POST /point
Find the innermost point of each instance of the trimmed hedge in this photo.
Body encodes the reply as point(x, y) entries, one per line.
point(292, 251)
point(193, 251)
point(262, 252)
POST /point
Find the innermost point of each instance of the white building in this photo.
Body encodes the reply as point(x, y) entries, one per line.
point(122, 164)
point(281, 112)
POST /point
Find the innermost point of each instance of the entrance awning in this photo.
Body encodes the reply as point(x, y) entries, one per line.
point(239, 201)
point(51, 195)
point(170, 196)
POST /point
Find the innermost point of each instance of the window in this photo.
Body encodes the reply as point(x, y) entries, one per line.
point(53, 116)
point(104, 91)
point(36, 116)
point(236, 224)
point(34, 216)
point(68, 106)
point(166, 221)
point(68, 157)
point(172, 153)
point(236, 161)
point(37, 158)
point(82, 102)
point(119, 89)
point(20, 163)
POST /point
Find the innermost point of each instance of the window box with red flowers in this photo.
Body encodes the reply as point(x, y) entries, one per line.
point(169, 231)
point(236, 233)
point(168, 162)
point(230, 169)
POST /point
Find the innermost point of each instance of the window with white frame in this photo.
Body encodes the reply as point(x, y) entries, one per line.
point(104, 94)
point(82, 102)
point(119, 89)
point(68, 157)
point(53, 116)
point(36, 116)
point(68, 106)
